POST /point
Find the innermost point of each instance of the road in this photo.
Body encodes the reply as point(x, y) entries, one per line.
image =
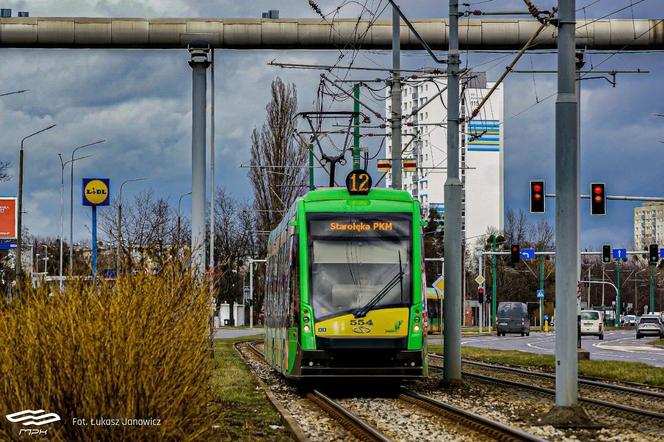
point(616, 346)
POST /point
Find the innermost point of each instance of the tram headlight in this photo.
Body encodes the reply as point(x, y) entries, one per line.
point(416, 328)
point(307, 329)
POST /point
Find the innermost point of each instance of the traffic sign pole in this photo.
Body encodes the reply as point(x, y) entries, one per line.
point(652, 289)
point(541, 286)
point(94, 241)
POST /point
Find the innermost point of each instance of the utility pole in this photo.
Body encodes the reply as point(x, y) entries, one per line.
point(652, 289)
point(567, 221)
point(199, 64)
point(453, 188)
point(356, 129)
point(396, 100)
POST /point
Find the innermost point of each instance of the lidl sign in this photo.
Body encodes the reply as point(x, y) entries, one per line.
point(96, 191)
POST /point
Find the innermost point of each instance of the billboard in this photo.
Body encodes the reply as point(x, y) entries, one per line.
point(8, 217)
point(96, 191)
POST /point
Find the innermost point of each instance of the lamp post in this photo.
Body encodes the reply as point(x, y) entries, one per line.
point(19, 224)
point(117, 271)
point(180, 217)
point(71, 202)
point(36, 266)
point(63, 164)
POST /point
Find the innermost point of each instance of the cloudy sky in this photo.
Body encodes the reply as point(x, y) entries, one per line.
point(139, 101)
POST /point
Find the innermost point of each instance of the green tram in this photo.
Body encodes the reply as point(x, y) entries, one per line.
point(345, 286)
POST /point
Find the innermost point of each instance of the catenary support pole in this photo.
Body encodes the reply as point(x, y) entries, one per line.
point(453, 188)
point(311, 167)
point(356, 129)
point(567, 210)
point(395, 119)
point(481, 273)
point(212, 190)
point(199, 64)
point(251, 293)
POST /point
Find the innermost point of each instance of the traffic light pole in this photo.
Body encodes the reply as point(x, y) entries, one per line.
point(494, 283)
point(618, 309)
point(541, 286)
point(652, 289)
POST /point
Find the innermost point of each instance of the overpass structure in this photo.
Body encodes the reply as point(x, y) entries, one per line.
point(178, 33)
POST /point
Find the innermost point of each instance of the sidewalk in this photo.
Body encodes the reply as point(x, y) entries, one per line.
point(237, 332)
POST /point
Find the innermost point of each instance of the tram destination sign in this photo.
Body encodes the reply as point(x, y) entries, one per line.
point(357, 225)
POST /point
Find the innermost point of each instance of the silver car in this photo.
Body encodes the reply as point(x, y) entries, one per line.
point(649, 325)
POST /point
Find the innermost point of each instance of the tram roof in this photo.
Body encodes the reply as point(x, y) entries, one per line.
point(340, 193)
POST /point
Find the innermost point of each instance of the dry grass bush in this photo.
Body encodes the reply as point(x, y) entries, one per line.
point(135, 349)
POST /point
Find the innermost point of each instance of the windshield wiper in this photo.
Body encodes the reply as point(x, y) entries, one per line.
point(396, 279)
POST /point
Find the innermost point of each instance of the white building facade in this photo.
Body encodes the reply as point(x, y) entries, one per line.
point(648, 225)
point(424, 137)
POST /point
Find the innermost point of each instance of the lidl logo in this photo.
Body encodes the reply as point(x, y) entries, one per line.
point(96, 191)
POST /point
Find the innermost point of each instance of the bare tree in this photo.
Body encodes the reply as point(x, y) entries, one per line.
point(4, 170)
point(277, 173)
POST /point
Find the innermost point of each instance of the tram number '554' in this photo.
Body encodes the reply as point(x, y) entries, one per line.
point(360, 326)
point(358, 182)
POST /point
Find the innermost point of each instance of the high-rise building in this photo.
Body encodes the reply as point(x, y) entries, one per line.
point(424, 137)
point(648, 225)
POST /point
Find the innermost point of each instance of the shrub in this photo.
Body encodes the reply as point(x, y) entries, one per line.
point(136, 348)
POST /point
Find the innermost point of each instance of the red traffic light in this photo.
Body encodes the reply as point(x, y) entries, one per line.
point(480, 290)
point(598, 190)
point(537, 196)
point(537, 187)
point(598, 199)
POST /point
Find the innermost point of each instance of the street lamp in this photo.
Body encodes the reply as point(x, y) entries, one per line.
point(63, 164)
point(37, 263)
point(19, 226)
point(117, 271)
point(179, 217)
point(14, 93)
point(71, 202)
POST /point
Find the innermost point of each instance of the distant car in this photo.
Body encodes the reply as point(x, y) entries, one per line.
point(649, 325)
point(629, 320)
point(592, 324)
point(513, 318)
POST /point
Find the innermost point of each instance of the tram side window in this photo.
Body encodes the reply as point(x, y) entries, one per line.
point(294, 278)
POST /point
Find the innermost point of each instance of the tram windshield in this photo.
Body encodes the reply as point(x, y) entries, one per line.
point(355, 257)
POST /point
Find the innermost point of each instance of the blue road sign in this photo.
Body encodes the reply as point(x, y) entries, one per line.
point(528, 254)
point(546, 317)
point(619, 253)
point(540, 294)
point(7, 245)
point(661, 253)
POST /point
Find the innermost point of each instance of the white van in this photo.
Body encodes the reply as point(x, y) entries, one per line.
point(592, 324)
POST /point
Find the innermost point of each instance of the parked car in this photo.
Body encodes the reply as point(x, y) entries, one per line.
point(649, 325)
point(629, 320)
point(592, 324)
point(513, 318)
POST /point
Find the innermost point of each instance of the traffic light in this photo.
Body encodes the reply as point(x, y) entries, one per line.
point(597, 199)
point(515, 253)
point(537, 196)
point(480, 294)
point(654, 254)
point(606, 253)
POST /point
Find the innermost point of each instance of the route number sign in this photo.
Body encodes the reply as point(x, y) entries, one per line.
point(358, 182)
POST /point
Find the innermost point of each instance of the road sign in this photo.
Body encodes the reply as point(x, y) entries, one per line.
point(247, 293)
point(7, 245)
point(528, 254)
point(96, 192)
point(540, 294)
point(439, 285)
point(619, 253)
point(384, 165)
point(480, 280)
point(409, 164)
point(661, 253)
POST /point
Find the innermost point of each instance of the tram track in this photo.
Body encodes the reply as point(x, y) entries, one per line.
point(593, 403)
point(347, 419)
point(480, 424)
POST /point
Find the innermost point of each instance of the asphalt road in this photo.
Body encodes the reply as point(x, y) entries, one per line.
point(616, 346)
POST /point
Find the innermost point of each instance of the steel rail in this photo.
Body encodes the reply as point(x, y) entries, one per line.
point(298, 33)
point(587, 382)
point(358, 427)
point(588, 401)
point(468, 419)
